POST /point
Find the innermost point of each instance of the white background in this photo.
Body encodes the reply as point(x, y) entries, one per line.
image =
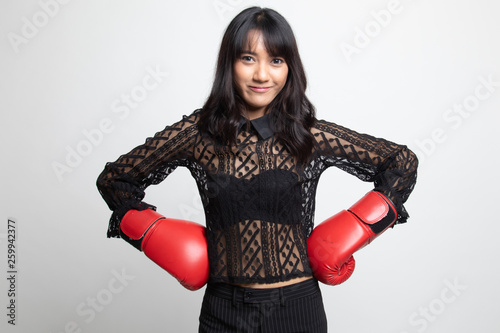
point(64, 75)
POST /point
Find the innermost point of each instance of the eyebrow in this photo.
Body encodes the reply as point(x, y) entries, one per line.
point(249, 52)
point(255, 54)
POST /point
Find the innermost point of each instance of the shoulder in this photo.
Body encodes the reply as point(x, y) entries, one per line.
point(188, 121)
point(330, 133)
point(323, 127)
point(191, 119)
point(185, 127)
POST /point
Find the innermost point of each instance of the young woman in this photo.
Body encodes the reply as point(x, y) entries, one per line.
point(256, 151)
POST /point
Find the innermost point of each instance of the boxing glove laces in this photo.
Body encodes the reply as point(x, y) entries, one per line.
point(333, 242)
point(178, 246)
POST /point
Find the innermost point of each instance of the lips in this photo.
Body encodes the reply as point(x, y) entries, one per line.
point(259, 89)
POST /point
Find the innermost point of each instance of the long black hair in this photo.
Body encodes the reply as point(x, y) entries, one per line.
point(291, 111)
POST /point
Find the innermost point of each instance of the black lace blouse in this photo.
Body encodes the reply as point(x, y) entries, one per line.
point(259, 206)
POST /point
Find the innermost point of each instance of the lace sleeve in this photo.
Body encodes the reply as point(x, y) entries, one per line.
point(122, 183)
point(392, 167)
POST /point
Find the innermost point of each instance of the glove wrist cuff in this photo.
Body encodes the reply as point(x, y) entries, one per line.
point(375, 210)
point(136, 224)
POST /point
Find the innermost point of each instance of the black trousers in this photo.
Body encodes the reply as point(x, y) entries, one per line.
point(290, 309)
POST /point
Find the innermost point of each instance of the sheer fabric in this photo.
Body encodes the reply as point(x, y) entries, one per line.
point(259, 204)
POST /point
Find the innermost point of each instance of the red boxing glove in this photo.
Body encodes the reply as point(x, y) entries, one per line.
point(179, 247)
point(333, 242)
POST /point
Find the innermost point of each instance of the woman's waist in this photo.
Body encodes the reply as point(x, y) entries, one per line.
point(279, 284)
point(297, 288)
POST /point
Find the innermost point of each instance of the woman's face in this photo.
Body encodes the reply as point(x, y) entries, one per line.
point(258, 76)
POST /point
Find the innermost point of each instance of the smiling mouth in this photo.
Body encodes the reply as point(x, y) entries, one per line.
point(260, 89)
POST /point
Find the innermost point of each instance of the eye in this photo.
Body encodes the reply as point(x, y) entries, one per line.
point(278, 61)
point(246, 58)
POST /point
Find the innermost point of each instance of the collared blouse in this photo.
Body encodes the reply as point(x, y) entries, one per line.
point(259, 204)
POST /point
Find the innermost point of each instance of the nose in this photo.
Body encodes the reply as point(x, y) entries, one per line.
point(261, 73)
